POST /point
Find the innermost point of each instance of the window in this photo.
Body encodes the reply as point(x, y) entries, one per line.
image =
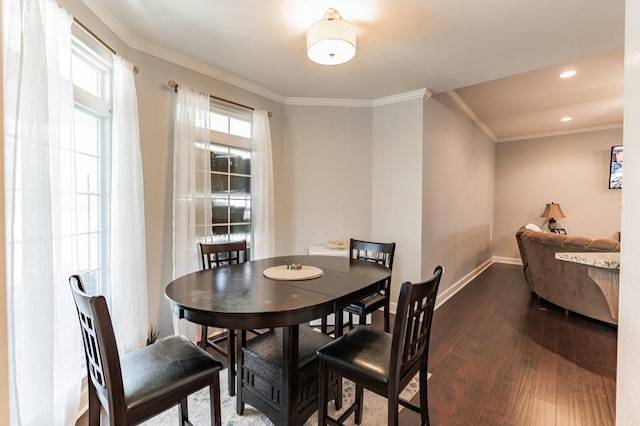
point(230, 199)
point(91, 76)
point(230, 193)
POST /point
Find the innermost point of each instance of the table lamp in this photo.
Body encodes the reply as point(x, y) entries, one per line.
point(552, 211)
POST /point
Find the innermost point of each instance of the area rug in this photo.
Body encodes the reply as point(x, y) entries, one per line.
point(375, 408)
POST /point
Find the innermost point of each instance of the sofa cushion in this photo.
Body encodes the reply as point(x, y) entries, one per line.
point(575, 241)
point(605, 244)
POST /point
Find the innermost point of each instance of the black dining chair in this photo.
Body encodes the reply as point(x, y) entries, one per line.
point(381, 362)
point(381, 253)
point(213, 256)
point(145, 382)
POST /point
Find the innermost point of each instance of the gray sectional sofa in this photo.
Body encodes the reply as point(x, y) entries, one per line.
point(565, 284)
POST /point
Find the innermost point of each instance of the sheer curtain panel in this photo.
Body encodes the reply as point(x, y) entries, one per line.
point(128, 269)
point(191, 187)
point(262, 218)
point(45, 358)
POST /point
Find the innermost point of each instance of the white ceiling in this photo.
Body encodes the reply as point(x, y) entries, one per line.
point(404, 46)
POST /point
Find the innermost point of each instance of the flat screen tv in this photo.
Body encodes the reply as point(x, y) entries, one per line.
point(615, 168)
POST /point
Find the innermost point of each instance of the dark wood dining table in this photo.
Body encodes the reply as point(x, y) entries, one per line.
point(240, 297)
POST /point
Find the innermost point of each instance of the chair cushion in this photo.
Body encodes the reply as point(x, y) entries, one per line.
point(163, 367)
point(364, 350)
point(368, 304)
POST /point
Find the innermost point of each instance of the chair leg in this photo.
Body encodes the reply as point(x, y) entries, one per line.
point(363, 318)
point(323, 393)
point(392, 408)
point(424, 400)
point(240, 343)
point(214, 397)
point(350, 321)
point(203, 337)
point(323, 325)
point(338, 401)
point(231, 361)
point(184, 412)
point(359, 400)
point(338, 330)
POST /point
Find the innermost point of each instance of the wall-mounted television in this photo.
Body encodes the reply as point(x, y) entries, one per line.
point(615, 167)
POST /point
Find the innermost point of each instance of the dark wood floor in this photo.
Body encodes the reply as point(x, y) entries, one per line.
point(500, 357)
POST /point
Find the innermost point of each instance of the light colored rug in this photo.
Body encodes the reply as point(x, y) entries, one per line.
point(375, 408)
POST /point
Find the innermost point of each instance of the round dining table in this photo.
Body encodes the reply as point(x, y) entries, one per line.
point(241, 297)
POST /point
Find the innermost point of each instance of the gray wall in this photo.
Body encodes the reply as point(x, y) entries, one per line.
point(397, 186)
point(572, 170)
point(458, 193)
point(327, 168)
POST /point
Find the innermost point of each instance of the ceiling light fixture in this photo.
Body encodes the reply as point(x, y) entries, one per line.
point(568, 74)
point(565, 119)
point(332, 40)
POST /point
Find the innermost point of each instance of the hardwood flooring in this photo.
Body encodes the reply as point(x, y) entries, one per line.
point(501, 357)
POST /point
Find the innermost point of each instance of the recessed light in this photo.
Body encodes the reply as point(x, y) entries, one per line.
point(565, 119)
point(568, 74)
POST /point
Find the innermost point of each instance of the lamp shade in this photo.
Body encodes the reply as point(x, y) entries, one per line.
point(332, 40)
point(552, 211)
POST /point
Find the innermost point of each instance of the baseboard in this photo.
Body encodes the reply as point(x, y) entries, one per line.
point(456, 287)
point(508, 260)
point(461, 283)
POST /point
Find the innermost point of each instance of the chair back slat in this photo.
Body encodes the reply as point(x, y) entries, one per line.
point(412, 327)
point(380, 253)
point(101, 351)
point(215, 255)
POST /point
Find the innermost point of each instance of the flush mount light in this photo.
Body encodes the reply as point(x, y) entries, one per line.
point(332, 40)
point(568, 74)
point(565, 119)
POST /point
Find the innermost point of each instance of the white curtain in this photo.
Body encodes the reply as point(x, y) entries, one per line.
point(128, 269)
point(45, 362)
point(262, 217)
point(191, 187)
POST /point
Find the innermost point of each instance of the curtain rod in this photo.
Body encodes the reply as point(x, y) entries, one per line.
point(99, 40)
point(172, 84)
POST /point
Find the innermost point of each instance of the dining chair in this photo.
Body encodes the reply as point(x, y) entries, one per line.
point(145, 382)
point(381, 362)
point(213, 256)
point(381, 253)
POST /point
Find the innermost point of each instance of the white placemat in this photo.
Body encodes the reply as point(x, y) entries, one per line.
point(281, 273)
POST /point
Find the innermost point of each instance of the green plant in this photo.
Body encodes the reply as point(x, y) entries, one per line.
point(152, 335)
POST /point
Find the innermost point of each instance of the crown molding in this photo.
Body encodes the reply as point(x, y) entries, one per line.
point(110, 21)
point(361, 103)
point(402, 97)
point(467, 110)
point(333, 102)
point(195, 65)
point(561, 132)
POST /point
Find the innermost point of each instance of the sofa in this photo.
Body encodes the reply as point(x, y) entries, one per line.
point(565, 284)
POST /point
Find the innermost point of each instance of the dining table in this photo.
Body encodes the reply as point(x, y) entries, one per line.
point(242, 297)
